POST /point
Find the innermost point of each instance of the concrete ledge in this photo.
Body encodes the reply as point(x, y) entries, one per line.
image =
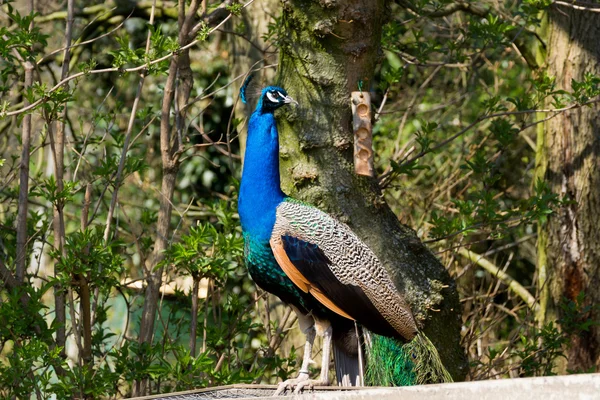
point(568, 387)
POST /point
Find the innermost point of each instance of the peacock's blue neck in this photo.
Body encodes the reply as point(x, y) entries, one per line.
point(260, 193)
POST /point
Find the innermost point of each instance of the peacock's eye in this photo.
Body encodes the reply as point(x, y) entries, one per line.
point(272, 97)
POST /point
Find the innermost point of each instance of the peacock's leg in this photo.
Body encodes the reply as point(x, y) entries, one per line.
point(307, 358)
point(323, 328)
point(307, 325)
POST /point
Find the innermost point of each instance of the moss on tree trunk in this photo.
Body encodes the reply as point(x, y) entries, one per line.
point(327, 47)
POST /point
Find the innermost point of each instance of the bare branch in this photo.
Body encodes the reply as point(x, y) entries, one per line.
point(451, 8)
point(512, 284)
point(579, 5)
point(24, 183)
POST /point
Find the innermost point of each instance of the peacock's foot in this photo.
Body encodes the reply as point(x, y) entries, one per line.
point(291, 383)
point(310, 384)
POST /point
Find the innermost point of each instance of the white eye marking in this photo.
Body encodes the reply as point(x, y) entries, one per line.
point(282, 96)
point(272, 98)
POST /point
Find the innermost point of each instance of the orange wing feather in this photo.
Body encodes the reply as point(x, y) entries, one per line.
point(299, 280)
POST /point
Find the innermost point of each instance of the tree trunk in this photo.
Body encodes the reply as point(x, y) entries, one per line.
point(177, 88)
point(568, 158)
point(327, 48)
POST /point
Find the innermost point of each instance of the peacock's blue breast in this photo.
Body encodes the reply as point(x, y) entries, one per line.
point(269, 276)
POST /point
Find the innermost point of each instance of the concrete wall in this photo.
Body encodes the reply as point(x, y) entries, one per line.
point(569, 387)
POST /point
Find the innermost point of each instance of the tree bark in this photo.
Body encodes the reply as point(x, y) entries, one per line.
point(194, 322)
point(327, 48)
point(568, 159)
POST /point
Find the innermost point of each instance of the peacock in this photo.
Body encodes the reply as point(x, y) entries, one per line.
point(332, 280)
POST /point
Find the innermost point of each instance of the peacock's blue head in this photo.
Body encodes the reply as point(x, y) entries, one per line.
point(272, 98)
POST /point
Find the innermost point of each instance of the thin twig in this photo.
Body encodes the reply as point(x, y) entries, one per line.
point(41, 60)
point(380, 109)
point(114, 69)
point(555, 112)
point(85, 139)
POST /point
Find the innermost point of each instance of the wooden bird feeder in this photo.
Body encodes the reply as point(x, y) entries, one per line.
point(363, 133)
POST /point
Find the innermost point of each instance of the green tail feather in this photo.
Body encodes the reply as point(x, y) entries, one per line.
point(388, 363)
point(391, 363)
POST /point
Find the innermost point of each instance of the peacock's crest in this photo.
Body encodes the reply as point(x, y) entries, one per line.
point(244, 89)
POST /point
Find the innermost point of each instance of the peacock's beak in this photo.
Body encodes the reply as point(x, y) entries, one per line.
point(289, 100)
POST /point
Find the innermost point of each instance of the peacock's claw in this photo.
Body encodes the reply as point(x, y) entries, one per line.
point(290, 384)
point(310, 383)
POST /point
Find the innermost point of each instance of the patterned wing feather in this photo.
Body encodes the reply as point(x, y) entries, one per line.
point(329, 257)
point(308, 261)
